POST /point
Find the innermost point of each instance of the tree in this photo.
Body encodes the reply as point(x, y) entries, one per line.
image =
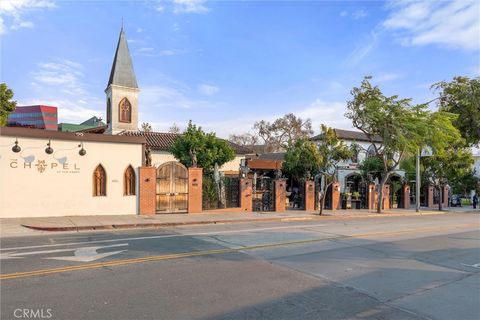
point(402, 128)
point(372, 168)
point(7, 105)
point(333, 151)
point(246, 139)
point(205, 147)
point(302, 160)
point(447, 164)
point(461, 96)
point(462, 184)
point(174, 128)
point(146, 127)
point(278, 135)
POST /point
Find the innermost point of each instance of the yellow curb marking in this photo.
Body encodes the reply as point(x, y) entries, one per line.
point(121, 262)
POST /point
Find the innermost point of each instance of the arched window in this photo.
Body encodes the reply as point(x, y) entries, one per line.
point(129, 182)
point(109, 111)
point(99, 182)
point(371, 151)
point(125, 111)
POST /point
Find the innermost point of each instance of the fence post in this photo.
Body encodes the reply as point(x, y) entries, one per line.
point(195, 187)
point(309, 195)
point(406, 196)
point(147, 177)
point(280, 196)
point(336, 204)
point(246, 195)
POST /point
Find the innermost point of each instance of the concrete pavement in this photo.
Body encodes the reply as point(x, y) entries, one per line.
point(388, 267)
point(34, 226)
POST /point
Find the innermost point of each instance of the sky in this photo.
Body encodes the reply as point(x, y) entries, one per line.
point(226, 64)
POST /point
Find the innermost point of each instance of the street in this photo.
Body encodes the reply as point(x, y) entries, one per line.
point(416, 267)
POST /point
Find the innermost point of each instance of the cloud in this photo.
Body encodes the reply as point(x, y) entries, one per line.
point(190, 6)
point(365, 46)
point(60, 83)
point(359, 14)
point(328, 113)
point(452, 24)
point(386, 77)
point(207, 89)
point(13, 13)
point(172, 97)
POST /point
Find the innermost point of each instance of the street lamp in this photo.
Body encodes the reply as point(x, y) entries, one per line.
point(426, 152)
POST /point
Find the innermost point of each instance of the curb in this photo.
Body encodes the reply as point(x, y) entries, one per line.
point(161, 224)
point(207, 222)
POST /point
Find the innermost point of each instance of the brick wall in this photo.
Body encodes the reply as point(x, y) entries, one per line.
point(147, 193)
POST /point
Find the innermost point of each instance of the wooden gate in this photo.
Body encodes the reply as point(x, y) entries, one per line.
point(172, 188)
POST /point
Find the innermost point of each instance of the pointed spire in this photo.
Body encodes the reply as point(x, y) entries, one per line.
point(122, 73)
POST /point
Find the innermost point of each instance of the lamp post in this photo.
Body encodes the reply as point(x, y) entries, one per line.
point(417, 191)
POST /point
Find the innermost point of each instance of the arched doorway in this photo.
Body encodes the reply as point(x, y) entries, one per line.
point(396, 194)
point(172, 188)
point(357, 188)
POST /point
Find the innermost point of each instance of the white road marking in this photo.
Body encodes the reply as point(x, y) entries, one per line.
point(88, 254)
point(84, 254)
point(476, 265)
point(162, 236)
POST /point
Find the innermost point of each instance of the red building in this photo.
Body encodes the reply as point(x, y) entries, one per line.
point(40, 117)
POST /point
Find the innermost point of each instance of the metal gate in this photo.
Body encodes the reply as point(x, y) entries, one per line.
point(172, 188)
point(264, 194)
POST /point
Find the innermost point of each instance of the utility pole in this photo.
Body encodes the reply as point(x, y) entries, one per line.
point(417, 191)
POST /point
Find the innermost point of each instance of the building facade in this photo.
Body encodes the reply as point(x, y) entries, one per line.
point(37, 116)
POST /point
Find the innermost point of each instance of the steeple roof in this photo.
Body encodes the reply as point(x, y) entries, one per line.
point(122, 73)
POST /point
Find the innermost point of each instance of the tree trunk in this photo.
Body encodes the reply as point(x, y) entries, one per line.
point(322, 203)
point(380, 192)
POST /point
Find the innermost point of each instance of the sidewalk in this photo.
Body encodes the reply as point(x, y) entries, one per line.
point(35, 226)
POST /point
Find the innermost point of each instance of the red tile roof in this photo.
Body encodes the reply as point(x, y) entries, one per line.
point(164, 140)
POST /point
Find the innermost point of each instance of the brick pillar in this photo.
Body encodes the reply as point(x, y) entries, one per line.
point(372, 197)
point(445, 197)
point(430, 196)
point(386, 196)
point(406, 196)
point(309, 195)
point(147, 180)
point(336, 204)
point(280, 195)
point(246, 195)
point(195, 181)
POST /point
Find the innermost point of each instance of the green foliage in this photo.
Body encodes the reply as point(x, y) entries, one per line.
point(371, 168)
point(461, 96)
point(464, 183)
point(7, 105)
point(302, 159)
point(333, 151)
point(208, 149)
point(402, 128)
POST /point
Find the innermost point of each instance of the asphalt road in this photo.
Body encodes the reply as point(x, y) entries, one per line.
point(421, 267)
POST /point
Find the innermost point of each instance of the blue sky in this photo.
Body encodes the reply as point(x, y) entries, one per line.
point(227, 64)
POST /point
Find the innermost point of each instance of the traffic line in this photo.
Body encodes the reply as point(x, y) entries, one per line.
point(122, 262)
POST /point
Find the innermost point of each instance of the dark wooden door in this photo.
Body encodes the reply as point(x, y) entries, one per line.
point(172, 188)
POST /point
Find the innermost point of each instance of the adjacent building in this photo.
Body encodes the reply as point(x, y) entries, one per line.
point(37, 116)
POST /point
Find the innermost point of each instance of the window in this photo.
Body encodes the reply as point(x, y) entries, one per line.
point(129, 182)
point(125, 110)
point(109, 111)
point(371, 151)
point(99, 182)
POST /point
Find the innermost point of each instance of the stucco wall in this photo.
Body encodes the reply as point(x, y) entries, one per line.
point(160, 157)
point(65, 186)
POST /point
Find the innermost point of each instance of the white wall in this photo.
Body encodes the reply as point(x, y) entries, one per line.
point(63, 190)
point(160, 157)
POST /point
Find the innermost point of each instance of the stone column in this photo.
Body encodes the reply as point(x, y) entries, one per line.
point(336, 204)
point(406, 196)
point(430, 196)
point(309, 195)
point(246, 195)
point(147, 180)
point(195, 182)
point(372, 197)
point(444, 196)
point(280, 196)
point(386, 196)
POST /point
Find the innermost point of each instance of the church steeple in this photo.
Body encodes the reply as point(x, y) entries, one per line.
point(122, 73)
point(122, 91)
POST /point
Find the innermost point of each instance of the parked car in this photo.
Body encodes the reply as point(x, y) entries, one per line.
point(455, 201)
